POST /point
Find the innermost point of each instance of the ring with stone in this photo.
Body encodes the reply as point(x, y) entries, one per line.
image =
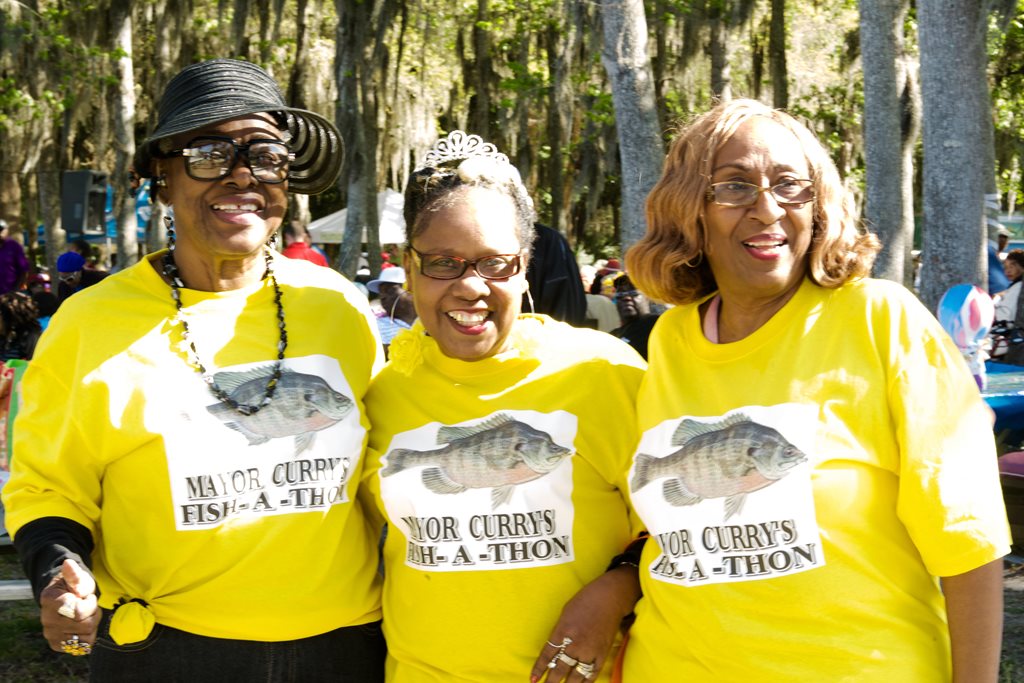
point(75, 647)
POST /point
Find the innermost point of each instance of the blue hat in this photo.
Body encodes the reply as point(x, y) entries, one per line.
point(70, 262)
point(394, 275)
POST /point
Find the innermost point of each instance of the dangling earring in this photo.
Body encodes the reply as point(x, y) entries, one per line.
point(529, 299)
point(272, 242)
point(169, 226)
point(161, 181)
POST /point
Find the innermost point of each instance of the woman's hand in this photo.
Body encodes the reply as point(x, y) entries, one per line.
point(69, 613)
point(586, 628)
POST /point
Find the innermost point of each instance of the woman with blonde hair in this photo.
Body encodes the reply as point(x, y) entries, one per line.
point(815, 467)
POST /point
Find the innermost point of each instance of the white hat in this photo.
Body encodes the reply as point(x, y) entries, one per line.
point(394, 275)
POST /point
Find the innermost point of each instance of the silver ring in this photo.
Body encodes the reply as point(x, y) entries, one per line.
point(586, 670)
point(567, 660)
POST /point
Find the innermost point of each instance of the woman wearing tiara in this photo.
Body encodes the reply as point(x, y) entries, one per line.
point(499, 443)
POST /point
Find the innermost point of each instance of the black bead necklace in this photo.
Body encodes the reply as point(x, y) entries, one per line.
point(172, 274)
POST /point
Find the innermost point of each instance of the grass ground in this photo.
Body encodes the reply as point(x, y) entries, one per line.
point(25, 657)
point(1013, 625)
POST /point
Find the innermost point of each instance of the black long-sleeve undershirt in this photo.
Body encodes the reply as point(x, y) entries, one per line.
point(43, 545)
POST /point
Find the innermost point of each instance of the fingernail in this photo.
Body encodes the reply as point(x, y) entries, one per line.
point(534, 678)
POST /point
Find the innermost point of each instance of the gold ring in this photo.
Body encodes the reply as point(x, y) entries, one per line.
point(75, 647)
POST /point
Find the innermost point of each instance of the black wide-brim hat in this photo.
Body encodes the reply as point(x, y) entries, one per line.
point(223, 89)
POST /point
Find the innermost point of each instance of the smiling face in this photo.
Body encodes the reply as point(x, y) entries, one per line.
point(758, 253)
point(229, 218)
point(469, 317)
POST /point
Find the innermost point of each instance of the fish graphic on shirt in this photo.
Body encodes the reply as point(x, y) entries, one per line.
point(498, 453)
point(302, 405)
point(727, 459)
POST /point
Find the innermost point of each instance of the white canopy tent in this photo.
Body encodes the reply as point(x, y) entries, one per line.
point(331, 228)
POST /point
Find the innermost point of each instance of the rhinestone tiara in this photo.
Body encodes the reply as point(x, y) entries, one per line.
point(461, 145)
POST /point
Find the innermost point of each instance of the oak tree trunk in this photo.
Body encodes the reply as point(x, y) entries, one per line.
point(636, 117)
point(954, 98)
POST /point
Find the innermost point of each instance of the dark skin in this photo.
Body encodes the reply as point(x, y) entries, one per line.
point(222, 226)
point(591, 619)
point(397, 302)
point(72, 592)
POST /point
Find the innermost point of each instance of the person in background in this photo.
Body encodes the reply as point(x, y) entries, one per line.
point(997, 280)
point(1006, 303)
point(296, 245)
point(46, 306)
point(601, 312)
point(38, 282)
point(816, 467)
point(607, 272)
point(86, 250)
point(73, 275)
point(498, 444)
point(14, 267)
point(1002, 239)
point(554, 278)
point(19, 326)
point(397, 310)
point(635, 312)
point(183, 489)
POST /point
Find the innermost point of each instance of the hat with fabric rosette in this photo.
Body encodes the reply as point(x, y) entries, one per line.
point(223, 89)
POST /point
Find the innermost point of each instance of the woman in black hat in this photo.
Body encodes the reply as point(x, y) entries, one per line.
point(183, 497)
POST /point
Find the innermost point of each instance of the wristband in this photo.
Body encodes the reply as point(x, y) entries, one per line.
point(630, 557)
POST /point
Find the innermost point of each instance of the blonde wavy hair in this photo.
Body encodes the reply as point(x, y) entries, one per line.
point(668, 263)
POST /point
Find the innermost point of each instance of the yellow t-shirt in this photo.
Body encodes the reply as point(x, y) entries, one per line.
point(226, 525)
point(803, 487)
point(500, 480)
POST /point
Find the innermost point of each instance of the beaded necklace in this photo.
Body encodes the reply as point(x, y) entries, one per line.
point(172, 274)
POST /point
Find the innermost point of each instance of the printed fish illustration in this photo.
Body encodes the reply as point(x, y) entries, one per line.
point(302, 405)
point(728, 459)
point(497, 454)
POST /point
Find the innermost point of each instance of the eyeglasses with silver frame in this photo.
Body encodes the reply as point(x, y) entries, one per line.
point(213, 157)
point(789, 192)
point(446, 267)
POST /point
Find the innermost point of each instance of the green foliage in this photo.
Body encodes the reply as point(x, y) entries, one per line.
point(600, 107)
point(1006, 60)
point(834, 113)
